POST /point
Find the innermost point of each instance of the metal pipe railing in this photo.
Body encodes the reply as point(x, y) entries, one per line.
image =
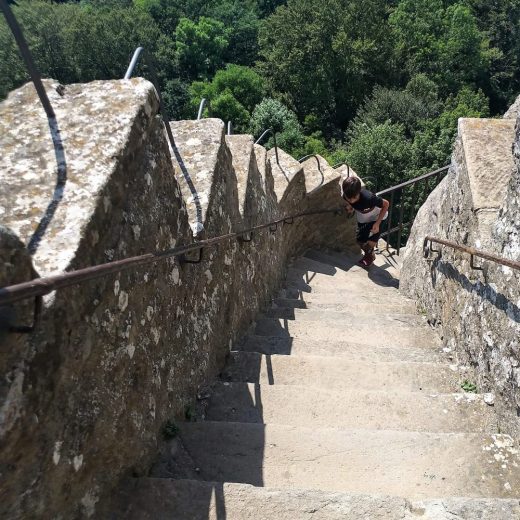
point(201, 108)
point(42, 286)
point(27, 58)
point(319, 166)
point(133, 63)
point(229, 128)
point(259, 140)
point(392, 191)
point(473, 252)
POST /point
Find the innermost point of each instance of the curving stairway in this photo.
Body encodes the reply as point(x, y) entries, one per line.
point(339, 404)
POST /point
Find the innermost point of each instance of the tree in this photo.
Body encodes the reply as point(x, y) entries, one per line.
point(324, 56)
point(380, 153)
point(201, 46)
point(272, 114)
point(442, 42)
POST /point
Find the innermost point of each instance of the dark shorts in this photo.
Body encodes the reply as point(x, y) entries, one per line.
point(363, 232)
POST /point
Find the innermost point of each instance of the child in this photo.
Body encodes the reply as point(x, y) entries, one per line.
point(370, 210)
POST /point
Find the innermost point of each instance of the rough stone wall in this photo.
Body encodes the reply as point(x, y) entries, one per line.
point(478, 312)
point(84, 398)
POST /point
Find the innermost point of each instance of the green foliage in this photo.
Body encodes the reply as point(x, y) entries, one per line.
point(469, 387)
point(170, 430)
point(324, 55)
point(74, 43)
point(232, 95)
point(442, 42)
point(228, 108)
point(240, 17)
point(201, 46)
point(270, 113)
point(381, 152)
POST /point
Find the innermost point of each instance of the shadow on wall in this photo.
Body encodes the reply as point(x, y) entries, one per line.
point(483, 290)
point(61, 179)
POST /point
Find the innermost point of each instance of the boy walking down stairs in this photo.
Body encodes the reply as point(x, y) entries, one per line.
point(339, 405)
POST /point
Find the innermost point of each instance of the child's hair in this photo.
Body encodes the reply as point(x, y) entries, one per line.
point(351, 187)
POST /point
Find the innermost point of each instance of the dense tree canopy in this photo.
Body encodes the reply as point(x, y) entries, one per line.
point(380, 83)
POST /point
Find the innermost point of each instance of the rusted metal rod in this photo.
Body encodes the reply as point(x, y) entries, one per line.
point(513, 264)
point(42, 286)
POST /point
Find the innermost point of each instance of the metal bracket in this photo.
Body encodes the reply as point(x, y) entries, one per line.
point(428, 250)
point(473, 266)
point(246, 240)
point(23, 329)
point(183, 259)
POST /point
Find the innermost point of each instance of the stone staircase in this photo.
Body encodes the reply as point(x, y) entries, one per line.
point(340, 404)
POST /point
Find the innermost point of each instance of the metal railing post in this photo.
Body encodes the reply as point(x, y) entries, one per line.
point(201, 108)
point(27, 58)
point(229, 128)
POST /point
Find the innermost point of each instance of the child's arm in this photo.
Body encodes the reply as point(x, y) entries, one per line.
point(382, 213)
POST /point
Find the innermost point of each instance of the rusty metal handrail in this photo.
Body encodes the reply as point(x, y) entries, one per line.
point(42, 286)
point(473, 252)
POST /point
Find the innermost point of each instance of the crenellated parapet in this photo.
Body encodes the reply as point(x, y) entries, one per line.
point(84, 397)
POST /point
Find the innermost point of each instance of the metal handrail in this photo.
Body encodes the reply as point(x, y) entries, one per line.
point(401, 187)
point(319, 165)
point(27, 58)
point(270, 130)
point(42, 286)
point(428, 249)
point(135, 58)
point(201, 108)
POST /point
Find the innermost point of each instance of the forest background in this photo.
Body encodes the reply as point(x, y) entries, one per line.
point(377, 83)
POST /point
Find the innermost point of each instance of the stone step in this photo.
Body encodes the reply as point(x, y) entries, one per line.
point(349, 408)
point(415, 465)
point(360, 307)
point(313, 313)
point(340, 294)
point(400, 330)
point(357, 279)
point(273, 345)
point(167, 499)
point(384, 264)
point(343, 270)
point(339, 374)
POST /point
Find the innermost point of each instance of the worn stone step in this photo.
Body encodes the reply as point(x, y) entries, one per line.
point(322, 283)
point(349, 408)
point(339, 293)
point(404, 330)
point(348, 269)
point(272, 345)
point(167, 499)
point(282, 306)
point(415, 465)
point(332, 312)
point(338, 373)
point(384, 263)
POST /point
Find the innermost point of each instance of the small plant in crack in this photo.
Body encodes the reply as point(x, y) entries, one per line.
point(189, 413)
point(170, 430)
point(469, 387)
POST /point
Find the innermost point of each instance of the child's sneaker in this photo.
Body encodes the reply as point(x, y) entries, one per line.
point(368, 259)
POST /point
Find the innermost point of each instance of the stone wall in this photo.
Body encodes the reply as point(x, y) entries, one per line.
point(478, 312)
point(83, 399)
